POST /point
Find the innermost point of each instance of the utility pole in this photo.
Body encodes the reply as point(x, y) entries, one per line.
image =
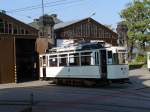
point(43, 18)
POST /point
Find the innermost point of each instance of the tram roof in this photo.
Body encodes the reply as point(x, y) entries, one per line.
point(79, 46)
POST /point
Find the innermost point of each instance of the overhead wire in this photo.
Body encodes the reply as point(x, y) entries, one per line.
point(34, 6)
point(47, 4)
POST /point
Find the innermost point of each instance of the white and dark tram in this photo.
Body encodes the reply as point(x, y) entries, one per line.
point(84, 63)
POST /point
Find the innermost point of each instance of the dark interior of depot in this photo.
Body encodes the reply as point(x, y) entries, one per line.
point(26, 59)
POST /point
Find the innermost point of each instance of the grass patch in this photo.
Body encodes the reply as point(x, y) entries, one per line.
point(136, 65)
point(138, 62)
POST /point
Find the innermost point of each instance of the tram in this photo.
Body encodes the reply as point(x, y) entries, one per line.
point(148, 60)
point(85, 62)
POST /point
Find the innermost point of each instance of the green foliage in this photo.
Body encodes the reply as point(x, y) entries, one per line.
point(139, 62)
point(137, 18)
point(137, 65)
point(140, 59)
point(46, 20)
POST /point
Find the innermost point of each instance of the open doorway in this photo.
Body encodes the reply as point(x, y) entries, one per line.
point(26, 60)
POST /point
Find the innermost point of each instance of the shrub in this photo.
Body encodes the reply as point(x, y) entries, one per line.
point(140, 59)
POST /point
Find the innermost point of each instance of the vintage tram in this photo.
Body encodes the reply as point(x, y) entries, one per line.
point(89, 62)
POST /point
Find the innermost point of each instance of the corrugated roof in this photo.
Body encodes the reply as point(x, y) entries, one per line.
point(14, 19)
point(65, 24)
point(57, 25)
point(35, 25)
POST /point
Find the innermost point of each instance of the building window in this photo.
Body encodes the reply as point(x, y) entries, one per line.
point(22, 31)
point(27, 32)
point(1, 26)
point(15, 30)
point(10, 29)
point(6, 27)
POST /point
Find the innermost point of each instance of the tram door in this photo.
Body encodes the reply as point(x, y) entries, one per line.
point(103, 64)
point(44, 66)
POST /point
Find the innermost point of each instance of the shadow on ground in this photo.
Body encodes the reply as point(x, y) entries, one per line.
point(59, 97)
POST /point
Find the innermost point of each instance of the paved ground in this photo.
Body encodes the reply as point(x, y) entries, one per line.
point(134, 97)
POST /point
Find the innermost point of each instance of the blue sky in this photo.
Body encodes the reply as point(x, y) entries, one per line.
point(107, 11)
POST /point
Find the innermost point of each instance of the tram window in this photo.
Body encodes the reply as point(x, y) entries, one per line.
point(52, 56)
point(63, 60)
point(44, 61)
point(96, 58)
point(53, 62)
point(109, 57)
point(115, 58)
point(85, 60)
point(121, 57)
point(86, 53)
point(74, 55)
point(109, 54)
point(40, 61)
point(74, 59)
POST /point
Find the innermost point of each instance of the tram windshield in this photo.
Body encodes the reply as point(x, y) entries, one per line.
point(116, 58)
point(119, 58)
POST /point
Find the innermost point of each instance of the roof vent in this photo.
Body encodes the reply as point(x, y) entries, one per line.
point(3, 11)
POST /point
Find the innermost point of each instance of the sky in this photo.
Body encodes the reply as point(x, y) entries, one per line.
point(106, 11)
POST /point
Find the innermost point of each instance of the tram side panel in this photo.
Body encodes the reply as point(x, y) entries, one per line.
point(117, 71)
point(73, 72)
point(86, 72)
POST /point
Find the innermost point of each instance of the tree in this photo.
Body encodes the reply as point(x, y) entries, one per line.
point(110, 27)
point(46, 20)
point(137, 18)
